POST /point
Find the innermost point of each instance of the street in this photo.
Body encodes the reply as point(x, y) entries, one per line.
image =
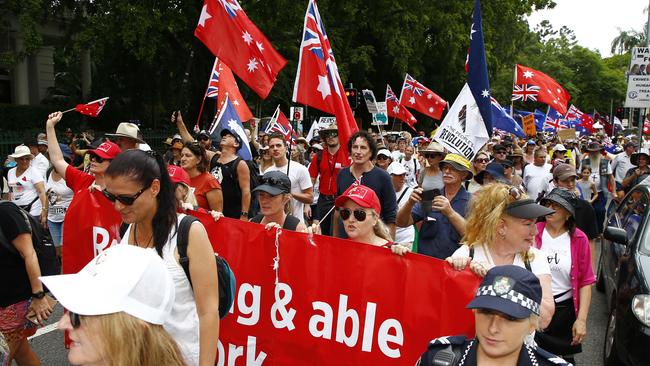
point(49, 346)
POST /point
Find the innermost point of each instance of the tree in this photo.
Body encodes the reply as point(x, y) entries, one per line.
point(626, 40)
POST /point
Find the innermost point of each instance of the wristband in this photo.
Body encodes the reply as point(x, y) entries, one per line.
point(38, 295)
point(245, 214)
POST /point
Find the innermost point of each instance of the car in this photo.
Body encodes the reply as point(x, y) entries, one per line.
point(624, 277)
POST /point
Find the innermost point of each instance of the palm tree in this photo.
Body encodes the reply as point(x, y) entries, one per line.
point(626, 40)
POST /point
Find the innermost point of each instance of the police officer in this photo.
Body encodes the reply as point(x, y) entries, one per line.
point(506, 310)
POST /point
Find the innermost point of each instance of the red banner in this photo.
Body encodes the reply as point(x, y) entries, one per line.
point(338, 302)
point(91, 225)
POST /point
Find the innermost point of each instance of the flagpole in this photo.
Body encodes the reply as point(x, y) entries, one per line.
point(611, 116)
point(196, 125)
point(68, 110)
point(512, 102)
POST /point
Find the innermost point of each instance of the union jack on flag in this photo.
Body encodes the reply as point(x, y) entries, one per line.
point(412, 84)
point(213, 84)
point(525, 92)
point(280, 124)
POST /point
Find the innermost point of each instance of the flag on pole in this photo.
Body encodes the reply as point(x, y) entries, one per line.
point(279, 123)
point(397, 110)
point(93, 108)
point(554, 121)
point(550, 92)
point(416, 96)
point(228, 119)
point(222, 82)
point(502, 120)
point(231, 36)
point(468, 125)
point(318, 83)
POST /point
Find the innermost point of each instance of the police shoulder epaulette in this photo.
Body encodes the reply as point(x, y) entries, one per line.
point(448, 340)
point(556, 360)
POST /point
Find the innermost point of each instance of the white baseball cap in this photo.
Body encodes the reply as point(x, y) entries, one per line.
point(384, 152)
point(396, 168)
point(122, 278)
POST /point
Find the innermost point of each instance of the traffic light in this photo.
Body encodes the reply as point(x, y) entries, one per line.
point(619, 112)
point(353, 97)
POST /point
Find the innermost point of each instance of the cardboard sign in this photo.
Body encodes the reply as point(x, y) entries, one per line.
point(371, 101)
point(528, 122)
point(568, 134)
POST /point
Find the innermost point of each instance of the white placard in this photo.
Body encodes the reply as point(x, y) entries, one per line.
point(638, 81)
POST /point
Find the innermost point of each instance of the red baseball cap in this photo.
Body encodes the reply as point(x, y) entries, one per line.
point(107, 150)
point(178, 175)
point(362, 196)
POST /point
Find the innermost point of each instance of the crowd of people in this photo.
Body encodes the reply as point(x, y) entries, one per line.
point(514, 204)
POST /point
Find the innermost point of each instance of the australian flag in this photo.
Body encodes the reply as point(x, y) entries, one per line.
point(539, 117)
point(554, 121)
point(228, 119)
point(477, 74)
point(501, 120)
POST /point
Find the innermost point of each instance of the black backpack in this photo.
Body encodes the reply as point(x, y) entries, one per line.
point(227, 280)
point(42, 242)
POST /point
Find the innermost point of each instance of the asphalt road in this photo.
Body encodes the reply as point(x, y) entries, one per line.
point(49, 346)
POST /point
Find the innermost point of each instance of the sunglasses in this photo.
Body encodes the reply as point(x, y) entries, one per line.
point(124, 199)
point(515, 192)
point(330, 134)
point(96, 158)
point(75, 319)
point(500, 152)
point(204, 138)
point(359, 214)
point(382, 157)
point(482, 161)
point(432, 155)
point(273, 182)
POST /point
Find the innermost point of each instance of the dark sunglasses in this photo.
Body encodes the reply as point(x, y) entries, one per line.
point(483, 161)
point(359, 214)
point(204, 138)
point(432, 155)
point(124, 199)
point(500, 152)
point(382, 157)
point(515, 192)
point(330, 134)
point(75, 319)
point(274, 182)
point(96, 158)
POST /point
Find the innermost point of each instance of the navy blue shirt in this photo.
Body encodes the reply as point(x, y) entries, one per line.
point(379, 181)
point(438, 238)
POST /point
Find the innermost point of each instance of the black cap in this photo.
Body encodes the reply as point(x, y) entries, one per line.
point(527, 209)
point(226, 131)
point(563, 198)
point(511, 290)
point(204, 133)
point(274, 183)
point(499, 147)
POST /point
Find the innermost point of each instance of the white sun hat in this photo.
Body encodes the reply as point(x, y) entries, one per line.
point(122, 278)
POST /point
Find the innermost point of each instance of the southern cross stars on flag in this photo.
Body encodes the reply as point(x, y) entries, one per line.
point(232, 37)
point(93, 108)
point(550, 92)
point(396, 110)
point(525, 93)
point(318, 83)
point(417, 96)
point(222, 82)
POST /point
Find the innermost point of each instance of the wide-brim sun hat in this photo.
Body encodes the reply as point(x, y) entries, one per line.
point(127, 130)
point(458, 163)
point(634, 159)
point(123, 278)
point(563, 198)
point(434, 146)
point(21, 151)
point(495, 170)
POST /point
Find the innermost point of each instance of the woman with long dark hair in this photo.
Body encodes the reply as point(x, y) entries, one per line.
point(569, 257)
point(207, 189)
point(138, 184)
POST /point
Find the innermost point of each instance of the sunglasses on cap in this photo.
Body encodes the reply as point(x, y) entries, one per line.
point(97, 158)
point(432, 155)
point(359, 214)
point(515, 192)
point(124, 199)
point(75, 319)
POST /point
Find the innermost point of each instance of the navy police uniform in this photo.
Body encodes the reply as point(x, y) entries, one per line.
point(464, 354)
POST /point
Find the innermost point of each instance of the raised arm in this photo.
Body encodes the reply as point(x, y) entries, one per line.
point(177, 119)
point(53, 148)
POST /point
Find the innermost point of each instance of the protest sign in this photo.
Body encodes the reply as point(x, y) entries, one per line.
point(371, 101)
point(381, 117)
point(528, 122)
point(567, 134)
point(638, 82)
point(333, 301)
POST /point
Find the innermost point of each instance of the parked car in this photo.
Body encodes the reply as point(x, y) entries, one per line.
point(624, 276)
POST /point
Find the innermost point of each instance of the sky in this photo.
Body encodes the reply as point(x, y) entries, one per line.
point(595, 22)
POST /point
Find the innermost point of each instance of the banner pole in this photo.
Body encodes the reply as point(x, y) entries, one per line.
point(68, 110)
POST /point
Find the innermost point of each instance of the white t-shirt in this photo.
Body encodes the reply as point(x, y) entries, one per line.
point(620, 165)
point(412, 167)
point(595, 172)
point(538, 264)
point(404, 235)
point(40, 164)
point(536, 179)
point(558, 253)
point(397, 155)
point(59, 196)
point(300, 180)
point(22, 191)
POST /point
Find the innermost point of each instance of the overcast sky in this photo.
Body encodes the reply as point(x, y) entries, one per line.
point(595, 22)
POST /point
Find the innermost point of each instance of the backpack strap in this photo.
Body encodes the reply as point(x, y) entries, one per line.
point(182, 236)
point(291, 223)
point(527, 260)
point(319, 158)
point(471, 252)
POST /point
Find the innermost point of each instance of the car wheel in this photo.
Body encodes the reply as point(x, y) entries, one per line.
point(610, 356)
point(600, 279)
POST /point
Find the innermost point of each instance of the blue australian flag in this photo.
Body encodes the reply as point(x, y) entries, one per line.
point(477, 75)
point(228, 119)
point(502, 120)
point(539, 117)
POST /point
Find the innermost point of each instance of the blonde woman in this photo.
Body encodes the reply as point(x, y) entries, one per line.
point(501, 230)
point(116, 307)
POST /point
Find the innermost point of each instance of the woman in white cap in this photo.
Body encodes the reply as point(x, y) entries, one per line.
point(430, 176)
point(501, 230)
point(117, 305)
point(27, 186)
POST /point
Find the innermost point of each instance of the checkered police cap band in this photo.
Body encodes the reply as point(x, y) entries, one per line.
point(512, 295)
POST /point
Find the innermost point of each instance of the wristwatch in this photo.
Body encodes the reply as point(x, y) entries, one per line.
point(243, 213)
point(38, 295)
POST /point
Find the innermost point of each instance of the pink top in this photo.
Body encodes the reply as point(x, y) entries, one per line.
point(582, 274)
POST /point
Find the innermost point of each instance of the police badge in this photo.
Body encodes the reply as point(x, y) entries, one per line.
point(503, 285)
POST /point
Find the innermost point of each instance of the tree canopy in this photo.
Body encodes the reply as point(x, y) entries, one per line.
point(141, 50)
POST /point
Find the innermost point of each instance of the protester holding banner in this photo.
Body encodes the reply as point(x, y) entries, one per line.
point(569, 256)
point(207, 189)
point(139, 186)
point(363, 150)
point(500, 231)
point(441, 212)
point(117, 306)
point(506, 311)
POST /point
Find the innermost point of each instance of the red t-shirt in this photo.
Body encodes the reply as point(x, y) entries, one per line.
point(76, 179)
point(202, 184)
point(330, 166)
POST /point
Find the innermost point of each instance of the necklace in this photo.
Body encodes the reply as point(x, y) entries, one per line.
point(135, 237)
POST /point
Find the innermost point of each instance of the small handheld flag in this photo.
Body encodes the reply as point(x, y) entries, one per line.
point(91, 109)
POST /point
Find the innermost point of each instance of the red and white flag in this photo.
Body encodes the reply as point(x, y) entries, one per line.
point(318, 83)
point(93, 108)
point(232, 37)
point(280, 123)
point(550, 92)
point(417, 96)
point(222, 82)
point(396, 110)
